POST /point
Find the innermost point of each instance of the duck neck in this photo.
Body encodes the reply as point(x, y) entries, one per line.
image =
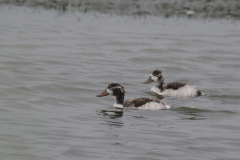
point(159, 83)
point(120, 99)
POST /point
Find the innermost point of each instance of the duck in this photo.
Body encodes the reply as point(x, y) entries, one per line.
point(171, 89)
point(117, 90)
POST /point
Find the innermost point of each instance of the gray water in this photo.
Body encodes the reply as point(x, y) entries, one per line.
point(53, 65)
point(162, 8)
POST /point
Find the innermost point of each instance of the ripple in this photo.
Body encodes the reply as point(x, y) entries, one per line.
point(53, 65)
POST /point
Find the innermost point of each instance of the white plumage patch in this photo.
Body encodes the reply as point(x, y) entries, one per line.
point(109, 91)
point(117, 105)
point(154, 78)
point(154, 106)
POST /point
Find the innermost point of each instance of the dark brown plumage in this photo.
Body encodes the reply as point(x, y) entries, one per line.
point(173, 85)
point(156, 72)
point(112, 85)
point(138, 102)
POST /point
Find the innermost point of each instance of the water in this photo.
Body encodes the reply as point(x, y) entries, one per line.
point(163, 8)
point(53, 65)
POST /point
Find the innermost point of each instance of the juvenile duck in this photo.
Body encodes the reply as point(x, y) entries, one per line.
point(172, 89)
point(118, 91)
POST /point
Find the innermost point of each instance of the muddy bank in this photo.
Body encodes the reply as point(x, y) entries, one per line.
point(163, 8)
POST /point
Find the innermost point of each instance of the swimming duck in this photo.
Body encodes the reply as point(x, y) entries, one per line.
point(118, 91)
point(172, 89)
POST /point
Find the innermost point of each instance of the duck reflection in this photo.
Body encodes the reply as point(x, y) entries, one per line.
point(200, 114)
point(194, 113)
point(111, 114)
point(113, 117)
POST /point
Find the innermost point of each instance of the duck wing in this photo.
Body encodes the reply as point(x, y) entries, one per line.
point(137, 102)
point(173, 85)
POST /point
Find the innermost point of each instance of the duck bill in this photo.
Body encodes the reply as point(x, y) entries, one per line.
point(148, 81)
point(104, 93)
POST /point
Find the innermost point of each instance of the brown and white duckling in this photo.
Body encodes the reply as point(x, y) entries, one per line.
point(172, 89)
point(118, 91)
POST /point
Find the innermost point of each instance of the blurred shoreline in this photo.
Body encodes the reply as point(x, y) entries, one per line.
point(164, 8)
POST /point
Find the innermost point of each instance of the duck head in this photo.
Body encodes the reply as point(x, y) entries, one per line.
point(155, 76)
point(114, 89)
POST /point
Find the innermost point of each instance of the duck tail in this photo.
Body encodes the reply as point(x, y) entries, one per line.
point(200, 93)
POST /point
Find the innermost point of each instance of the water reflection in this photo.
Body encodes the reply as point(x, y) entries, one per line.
point(226, 99)
point(111, 114)
point(197, 114)
point(190, 111)
point(113, 117)
point(194, 113)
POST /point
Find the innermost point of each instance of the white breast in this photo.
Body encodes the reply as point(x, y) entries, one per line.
point(183, 92)
point(154, 106)
point(117, 105)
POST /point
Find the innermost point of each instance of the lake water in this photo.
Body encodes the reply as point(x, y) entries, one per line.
point(52, 66)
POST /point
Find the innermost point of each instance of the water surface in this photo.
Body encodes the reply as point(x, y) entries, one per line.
point(53, 65)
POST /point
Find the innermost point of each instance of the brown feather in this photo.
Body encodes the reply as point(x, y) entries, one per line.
point(156, 72)
point(138, 102)
point(173, 85)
